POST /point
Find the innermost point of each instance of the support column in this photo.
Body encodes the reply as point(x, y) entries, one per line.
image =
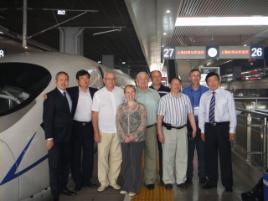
point(71, 40)
point(108, 60)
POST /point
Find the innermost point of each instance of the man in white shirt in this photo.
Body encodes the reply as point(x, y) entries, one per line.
point(82, 134)
point(217, 122)
point(105, 104)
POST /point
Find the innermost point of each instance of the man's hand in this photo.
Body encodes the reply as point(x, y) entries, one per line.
point(231, 137)
point(50, 144)
point(193, 134)
point(203, 137)
point(97, 137)
point(161, 138)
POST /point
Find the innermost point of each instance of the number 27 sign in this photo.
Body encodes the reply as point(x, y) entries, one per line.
point(169, 52)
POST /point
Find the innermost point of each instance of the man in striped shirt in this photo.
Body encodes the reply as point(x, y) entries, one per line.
point(173, 111)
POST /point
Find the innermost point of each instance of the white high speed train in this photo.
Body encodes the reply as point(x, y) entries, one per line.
point(24, 79)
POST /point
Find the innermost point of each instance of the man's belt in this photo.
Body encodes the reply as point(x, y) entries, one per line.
point(169, 126)
point(83, 123)
point(217, 123)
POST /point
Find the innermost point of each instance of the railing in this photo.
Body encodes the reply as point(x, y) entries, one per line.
point(252, 135)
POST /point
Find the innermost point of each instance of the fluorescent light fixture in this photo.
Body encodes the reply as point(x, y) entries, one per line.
point(168, 11)
point(61, 12)
point(222, 21)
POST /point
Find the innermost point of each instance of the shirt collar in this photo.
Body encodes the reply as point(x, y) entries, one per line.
point(61, 91)
point(80, 90)
point(217, 90)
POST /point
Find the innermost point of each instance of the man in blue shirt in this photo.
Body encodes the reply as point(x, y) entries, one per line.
point(194, 93)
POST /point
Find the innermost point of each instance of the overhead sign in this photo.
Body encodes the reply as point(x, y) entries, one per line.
point(2, 53)
point(221, 52)
point(191, 52)
point(256, 52)
point(169, 53)
point(234, 52)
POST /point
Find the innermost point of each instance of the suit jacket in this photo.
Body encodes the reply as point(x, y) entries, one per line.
point(74, 93)
point(57, 117)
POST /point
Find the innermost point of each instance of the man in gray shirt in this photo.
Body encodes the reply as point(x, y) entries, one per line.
point(149, 98)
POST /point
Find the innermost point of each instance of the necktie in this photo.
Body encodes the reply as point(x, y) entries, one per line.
point(66, 98)
point(212, 108)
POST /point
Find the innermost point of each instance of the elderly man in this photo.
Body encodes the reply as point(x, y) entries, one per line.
point(217, 121)
point(149, 98)
point(104, 107)
point(162, 90)
point(173, 111)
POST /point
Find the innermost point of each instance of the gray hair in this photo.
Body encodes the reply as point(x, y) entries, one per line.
point(142, 73)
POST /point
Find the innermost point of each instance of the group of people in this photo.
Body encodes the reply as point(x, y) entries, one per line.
point(164, 124)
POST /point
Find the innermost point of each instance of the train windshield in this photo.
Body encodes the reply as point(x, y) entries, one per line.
point(20, 83)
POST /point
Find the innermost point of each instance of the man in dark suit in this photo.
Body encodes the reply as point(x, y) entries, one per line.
point(57, 119)
point(82, 136)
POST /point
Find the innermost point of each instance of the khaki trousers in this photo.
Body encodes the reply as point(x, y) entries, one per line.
point(109, 159)
point(150, 155)
point(175, 155)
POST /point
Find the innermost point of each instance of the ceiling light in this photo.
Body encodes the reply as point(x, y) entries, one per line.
point(123, 62)
point(164, 33)
point(168, 11)
point(61, 12)
point(222, 21)
point(99, 62)
point(1, 32)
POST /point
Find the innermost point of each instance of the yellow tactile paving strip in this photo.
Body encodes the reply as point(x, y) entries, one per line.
point(158, 194)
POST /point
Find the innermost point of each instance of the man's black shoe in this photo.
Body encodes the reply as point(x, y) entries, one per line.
point(68, 192)
point(202, 180)
point(168, 186)
point(209, 184)
point(188, 182)
point(77, 187)
point(56, 199)
point(182, 185)
point(149, 186)
point(228, 189)
point(87, 184)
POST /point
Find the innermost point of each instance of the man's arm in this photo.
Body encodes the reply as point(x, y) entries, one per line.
point(160, 129)
point(192, 122)
point(48, 119)
point(95, 123)
point(233, 121)
point(202, 117)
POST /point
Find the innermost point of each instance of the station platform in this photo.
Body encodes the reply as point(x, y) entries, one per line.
point(245, 177)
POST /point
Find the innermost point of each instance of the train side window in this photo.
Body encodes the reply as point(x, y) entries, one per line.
point(20, 84)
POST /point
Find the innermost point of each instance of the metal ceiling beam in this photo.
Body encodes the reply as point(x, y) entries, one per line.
point(56, 25)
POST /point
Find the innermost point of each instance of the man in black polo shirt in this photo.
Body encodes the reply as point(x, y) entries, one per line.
point(162, 90)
